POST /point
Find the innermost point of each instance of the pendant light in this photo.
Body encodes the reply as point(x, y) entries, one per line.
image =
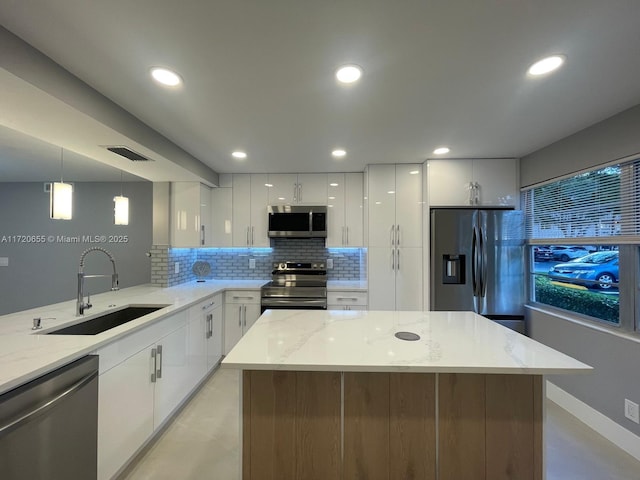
point(61, 196)
point(121, 207)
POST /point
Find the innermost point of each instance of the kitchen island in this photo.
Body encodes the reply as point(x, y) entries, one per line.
point(336, 395)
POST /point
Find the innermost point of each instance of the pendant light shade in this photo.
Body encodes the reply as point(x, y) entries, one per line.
point(121, 210)
point(61, 197)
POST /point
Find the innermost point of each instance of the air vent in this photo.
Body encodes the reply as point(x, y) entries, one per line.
point(126, 152)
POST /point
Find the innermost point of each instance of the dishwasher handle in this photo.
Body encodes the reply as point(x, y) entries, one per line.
point(48, 405)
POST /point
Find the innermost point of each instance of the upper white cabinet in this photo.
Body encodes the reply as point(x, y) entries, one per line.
point(484, 182)
point(302, 188)
point(249, 206)
point(345, 210)
point(395, 205)
point(222, 213)
point(190, 214)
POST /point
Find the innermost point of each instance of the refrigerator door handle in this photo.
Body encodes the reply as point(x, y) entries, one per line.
point(474, 262)
point(483, 263)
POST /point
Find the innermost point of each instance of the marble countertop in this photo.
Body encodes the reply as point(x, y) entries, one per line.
point(352, 285)
point(342, 340)
point(26, 354)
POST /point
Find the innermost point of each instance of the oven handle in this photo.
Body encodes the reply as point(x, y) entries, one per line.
point(303, 302)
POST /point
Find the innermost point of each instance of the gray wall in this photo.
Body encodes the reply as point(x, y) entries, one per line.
point(614, 138)
point(44, 273)
point(616, 359)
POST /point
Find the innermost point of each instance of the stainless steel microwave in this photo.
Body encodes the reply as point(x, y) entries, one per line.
point(297, 221)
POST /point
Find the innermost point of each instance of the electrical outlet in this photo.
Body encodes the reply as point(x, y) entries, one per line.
point(252, 263)
point(329, 263)
point(631, 410)
point(176, 267)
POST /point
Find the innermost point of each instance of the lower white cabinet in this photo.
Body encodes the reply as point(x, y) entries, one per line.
point(346, 300)
point(125, 411)
point(145, 376)
point(210, 312)
point(395, 278)
point(241, 310)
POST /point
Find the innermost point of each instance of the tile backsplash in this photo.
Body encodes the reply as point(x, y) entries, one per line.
point(233, 263)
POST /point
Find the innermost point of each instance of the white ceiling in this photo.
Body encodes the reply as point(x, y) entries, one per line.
point(259, 73)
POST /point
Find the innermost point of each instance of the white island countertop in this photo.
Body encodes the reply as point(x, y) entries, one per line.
point(364, 341)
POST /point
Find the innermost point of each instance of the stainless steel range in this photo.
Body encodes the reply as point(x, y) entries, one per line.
point(296, 285)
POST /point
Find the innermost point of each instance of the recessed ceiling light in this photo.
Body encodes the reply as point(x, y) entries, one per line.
point(268, 185)
point(441, 150)
point(280, 198)
point(166, 77)
point(414, 172)
point(349, 73)
point(546, 65)
point(239, 154)
point(332, 198)
point(339, 153)
point(391, 192)
point(333, 184)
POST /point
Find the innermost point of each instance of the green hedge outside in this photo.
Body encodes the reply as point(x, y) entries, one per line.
point(585, 302)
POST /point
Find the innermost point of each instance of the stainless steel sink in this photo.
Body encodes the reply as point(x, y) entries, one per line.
point(107, 321)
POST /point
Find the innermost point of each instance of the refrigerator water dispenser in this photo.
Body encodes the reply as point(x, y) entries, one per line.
point(453, 269)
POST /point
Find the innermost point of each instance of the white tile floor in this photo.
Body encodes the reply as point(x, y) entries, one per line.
point(203, 443)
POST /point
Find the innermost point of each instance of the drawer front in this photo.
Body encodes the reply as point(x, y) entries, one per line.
point(242, 296)
point(346, 298)
point(210, 303)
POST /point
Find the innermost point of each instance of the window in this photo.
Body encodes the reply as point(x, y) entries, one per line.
point(583, 236)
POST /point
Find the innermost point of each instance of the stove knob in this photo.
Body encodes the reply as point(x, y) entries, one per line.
point(282, 266)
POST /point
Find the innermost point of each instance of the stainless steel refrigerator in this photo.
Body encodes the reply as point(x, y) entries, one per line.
point(477, 262)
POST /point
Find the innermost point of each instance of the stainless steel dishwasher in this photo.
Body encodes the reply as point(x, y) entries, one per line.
point(49, 426)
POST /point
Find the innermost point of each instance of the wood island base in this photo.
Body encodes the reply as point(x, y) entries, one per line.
point(406, 426)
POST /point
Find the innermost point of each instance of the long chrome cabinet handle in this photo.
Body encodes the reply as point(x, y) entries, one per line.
point(244, 315)
point(247, 236)
point(393, 259)
point(343, 236)
point(240, 315)
point(295, 192)
point(397, 235)
point(159, 360)
point(5, 429)
point(154, 357)
point(252, 237)
point(347, 229)
point(397, 259)
point(391, 235)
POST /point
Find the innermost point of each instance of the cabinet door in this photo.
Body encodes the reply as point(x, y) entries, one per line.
point(312, 188)
point(251, 314)
point(282, 188)
point(448, 182)
point(408, 205)
point(259, 224)
point(172, 375)
point(354, 211)
point(196, 346)
point(409, 279)
point(336, 233)
point(382, 205)
point(241, 208)
point(206, 234)
point(125, 415)
point(382, 278)
point(214, 342)
point(185, 214)
point(498, 181)
point(232, 325)
point(221, 217)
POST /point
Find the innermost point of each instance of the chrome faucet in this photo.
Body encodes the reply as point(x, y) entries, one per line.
point(81, 306)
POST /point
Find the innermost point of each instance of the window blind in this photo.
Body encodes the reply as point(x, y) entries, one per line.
point(597, 206)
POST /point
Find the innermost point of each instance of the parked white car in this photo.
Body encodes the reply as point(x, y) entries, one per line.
point(564, 253)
